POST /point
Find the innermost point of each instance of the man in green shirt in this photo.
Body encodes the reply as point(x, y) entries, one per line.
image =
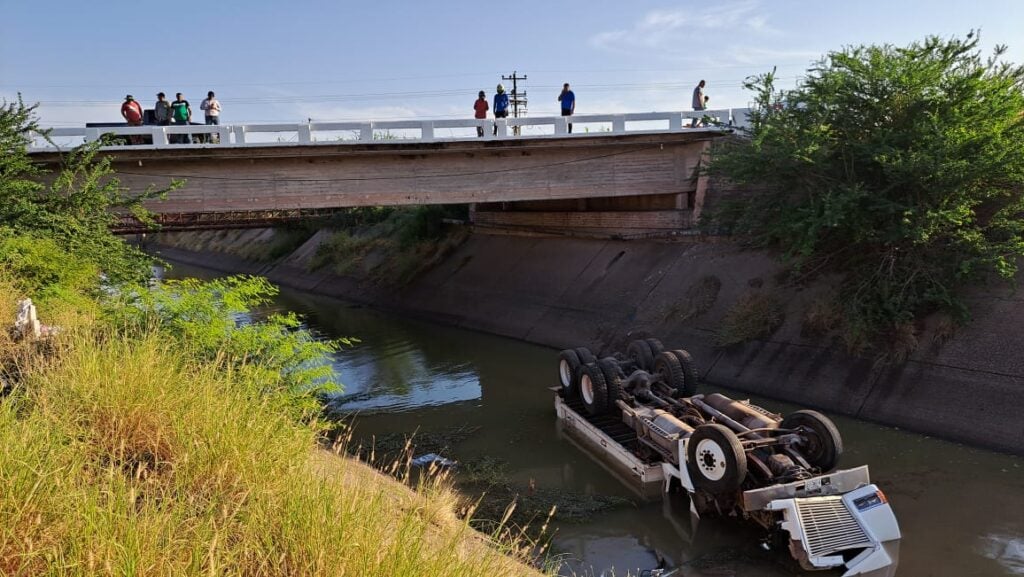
point(181, 113)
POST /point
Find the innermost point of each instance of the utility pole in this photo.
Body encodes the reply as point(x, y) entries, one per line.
point(518, 99)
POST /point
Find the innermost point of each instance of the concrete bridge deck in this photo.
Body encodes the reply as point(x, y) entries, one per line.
point(628, 180)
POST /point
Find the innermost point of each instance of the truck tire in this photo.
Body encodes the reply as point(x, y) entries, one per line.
point(586, 357)
point(569, 373)
point(593, 389)
point(668, 368)
point(656, 346)
point(613, 380)
point(822, 444)
point(715, 459)
point(639, 352)
point(690, 374)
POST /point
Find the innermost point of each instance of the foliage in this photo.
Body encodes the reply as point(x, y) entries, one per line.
point(128, 457)
point(282, 361)
point(79, 205)
point(755, 315)
point(902, 168)
point(41, 268)
point(393, 246)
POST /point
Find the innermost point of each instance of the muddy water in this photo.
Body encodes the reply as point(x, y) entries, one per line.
point(961, 509)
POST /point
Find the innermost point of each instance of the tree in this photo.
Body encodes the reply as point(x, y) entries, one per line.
point(78, 206)
point(902, 169)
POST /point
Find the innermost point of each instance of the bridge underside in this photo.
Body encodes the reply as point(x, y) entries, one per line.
point(618, 184)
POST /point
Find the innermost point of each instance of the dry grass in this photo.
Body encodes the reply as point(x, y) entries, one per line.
point(822, 316)
point(755, 315)
point(126, 458)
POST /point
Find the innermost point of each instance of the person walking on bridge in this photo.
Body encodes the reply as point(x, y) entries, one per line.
point(131, 111)
point(182, 114)
point(480, 109)
point(500, 105)
point(568, 100)
point(700, 102)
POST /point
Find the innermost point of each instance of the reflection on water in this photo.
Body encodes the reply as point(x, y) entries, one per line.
point(961, 509)
point(1007, 550)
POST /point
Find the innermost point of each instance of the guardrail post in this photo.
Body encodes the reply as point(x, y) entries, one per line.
point(92, 134)
point(502, 125)
point(366, 132)
point(159, 136)
point(675, 121)
point(618, 124)
point(562, 125)
point(239, 132)
point(222, 136)
point(427, 131)
point(305, 134)
point(488, 126)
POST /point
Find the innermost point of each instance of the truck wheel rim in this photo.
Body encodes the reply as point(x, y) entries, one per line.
point(710, 460)
point(587, 388)
point(564, 373)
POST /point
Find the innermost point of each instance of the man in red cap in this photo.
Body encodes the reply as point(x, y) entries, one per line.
point(131, 111)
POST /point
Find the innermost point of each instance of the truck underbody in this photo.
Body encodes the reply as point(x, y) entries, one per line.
point(640, 413)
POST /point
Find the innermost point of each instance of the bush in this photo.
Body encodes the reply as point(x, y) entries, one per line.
point(282, 361)
point(77, 210)
point(754, 316)
point(901, 168)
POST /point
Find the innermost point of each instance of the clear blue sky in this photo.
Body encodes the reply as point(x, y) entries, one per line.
point(332, 60)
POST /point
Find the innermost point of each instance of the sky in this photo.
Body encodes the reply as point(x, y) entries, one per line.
point(276, 61)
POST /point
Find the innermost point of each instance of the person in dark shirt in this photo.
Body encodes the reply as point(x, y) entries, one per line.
point(500, 105)
point(568, 100)
point(162, 110)
point(181, 113)
point(480, 108)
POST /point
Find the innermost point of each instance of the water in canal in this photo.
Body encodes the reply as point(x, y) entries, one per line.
point(961, 509)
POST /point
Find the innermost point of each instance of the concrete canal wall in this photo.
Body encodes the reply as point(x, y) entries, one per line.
point(563, 292)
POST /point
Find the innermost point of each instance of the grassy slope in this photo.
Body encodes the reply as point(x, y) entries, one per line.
point(123, 457)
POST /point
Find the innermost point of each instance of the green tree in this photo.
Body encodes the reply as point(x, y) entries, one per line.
point(900, 168)
point(75, 206)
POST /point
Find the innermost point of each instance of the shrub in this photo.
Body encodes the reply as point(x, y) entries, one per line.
point(755, 315)
point(78, 208)
point(901, 168)
point(282, 361)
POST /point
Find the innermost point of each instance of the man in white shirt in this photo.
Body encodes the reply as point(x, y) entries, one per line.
point(211, 106)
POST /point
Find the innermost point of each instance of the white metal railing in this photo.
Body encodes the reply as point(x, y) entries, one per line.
point(312, 133)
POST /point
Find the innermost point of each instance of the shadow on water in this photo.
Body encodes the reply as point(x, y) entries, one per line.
point(483, 400)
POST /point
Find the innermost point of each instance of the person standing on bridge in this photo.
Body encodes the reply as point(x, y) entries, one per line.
point(500, 105)
point(568, 99)
point(700, 102)
point(480, 109)
point(182, 114)
point(162, 110)
point(211, 106)
point(131, 111)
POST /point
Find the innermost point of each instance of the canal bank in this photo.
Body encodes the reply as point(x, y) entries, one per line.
point(560, 292)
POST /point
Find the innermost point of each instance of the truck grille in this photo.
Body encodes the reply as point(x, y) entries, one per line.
point(829, 526)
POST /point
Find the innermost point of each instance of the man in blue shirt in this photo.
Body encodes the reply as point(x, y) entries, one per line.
point(500, 105)
point(568, 100)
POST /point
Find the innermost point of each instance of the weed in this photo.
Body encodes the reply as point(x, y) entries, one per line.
point(698, 299)
point(755, 315)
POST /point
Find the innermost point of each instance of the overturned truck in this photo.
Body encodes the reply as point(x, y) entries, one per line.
point(641, 409)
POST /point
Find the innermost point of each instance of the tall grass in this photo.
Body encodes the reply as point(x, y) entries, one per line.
point(126, 457)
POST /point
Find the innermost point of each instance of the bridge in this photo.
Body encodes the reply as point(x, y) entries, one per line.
point(619, 174)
